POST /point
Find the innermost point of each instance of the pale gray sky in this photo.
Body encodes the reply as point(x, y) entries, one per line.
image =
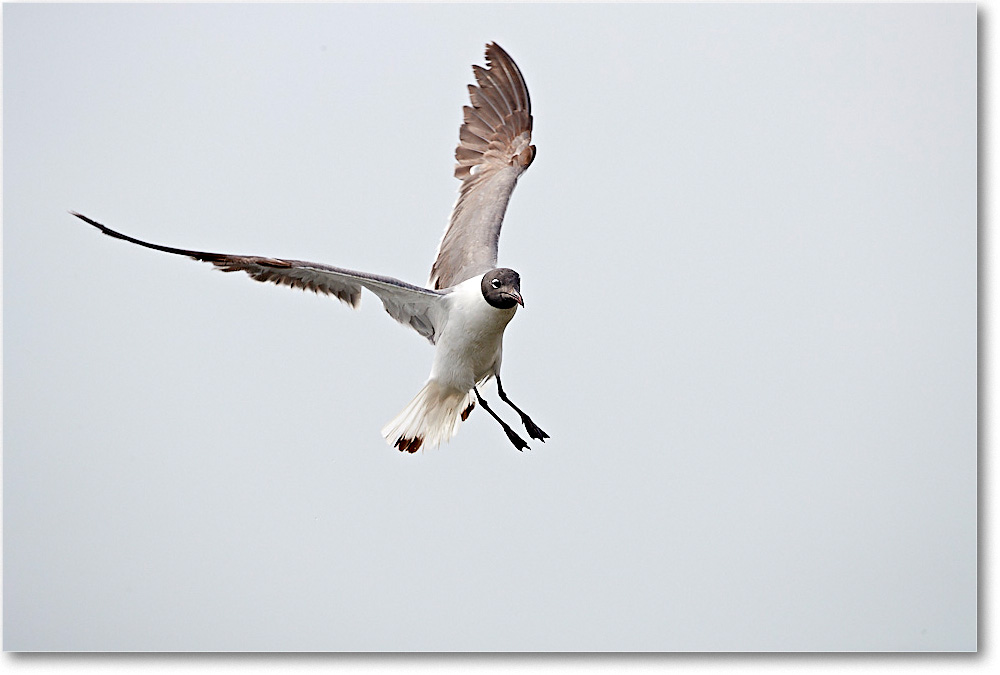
point(748, 254)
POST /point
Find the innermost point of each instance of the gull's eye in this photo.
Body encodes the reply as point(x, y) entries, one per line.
point(495, 283)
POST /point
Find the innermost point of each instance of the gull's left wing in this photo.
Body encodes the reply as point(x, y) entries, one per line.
point(418, 308)
point(494, 149)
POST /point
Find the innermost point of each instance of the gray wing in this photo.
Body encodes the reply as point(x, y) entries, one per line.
point(419, 308)
point(494, 149)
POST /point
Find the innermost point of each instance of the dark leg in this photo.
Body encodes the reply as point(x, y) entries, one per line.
point(532, 428)
point(514, 438)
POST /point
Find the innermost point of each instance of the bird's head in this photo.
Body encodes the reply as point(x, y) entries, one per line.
point(502, 288)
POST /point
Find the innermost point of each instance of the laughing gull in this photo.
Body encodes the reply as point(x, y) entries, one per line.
point(468, 301)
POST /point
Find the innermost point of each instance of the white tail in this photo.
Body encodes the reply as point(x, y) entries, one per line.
point(431, 417)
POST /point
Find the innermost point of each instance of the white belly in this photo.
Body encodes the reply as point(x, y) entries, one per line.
point(469, 348)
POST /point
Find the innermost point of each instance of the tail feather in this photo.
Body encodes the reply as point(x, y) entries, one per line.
point(433, 416)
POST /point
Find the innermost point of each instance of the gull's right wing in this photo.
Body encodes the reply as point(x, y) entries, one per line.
point(419, 308)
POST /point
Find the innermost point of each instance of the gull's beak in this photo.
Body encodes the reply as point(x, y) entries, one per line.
point(516, 296)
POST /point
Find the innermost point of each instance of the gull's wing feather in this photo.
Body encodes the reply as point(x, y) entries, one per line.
point(419, 308)
point(494, 149)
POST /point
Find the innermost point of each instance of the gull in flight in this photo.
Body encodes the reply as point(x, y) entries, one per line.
point(469, 300)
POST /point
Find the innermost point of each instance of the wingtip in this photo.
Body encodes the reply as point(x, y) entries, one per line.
point(104, 228)
point(493, 49)
point(89, 221)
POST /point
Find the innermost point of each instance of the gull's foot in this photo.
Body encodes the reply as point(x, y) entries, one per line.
point(533, 429)
point(516, 440)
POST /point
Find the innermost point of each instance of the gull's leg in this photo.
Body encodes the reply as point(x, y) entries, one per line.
point(532, 428)
point(514, 438)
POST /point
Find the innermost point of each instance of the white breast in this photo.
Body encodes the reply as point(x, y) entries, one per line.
point(469, 347)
